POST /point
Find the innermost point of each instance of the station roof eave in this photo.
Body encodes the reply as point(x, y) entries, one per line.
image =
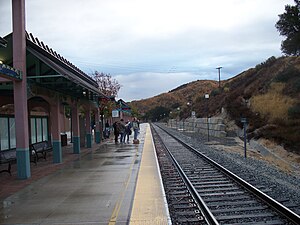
point(3, 42)
point(123, 106)
point(47, 69)
point(71, 81)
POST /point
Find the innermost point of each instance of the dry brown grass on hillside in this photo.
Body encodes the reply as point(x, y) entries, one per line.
point(177, 97)
point(273, 105)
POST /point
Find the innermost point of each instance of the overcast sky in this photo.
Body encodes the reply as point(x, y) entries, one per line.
point(153, 46)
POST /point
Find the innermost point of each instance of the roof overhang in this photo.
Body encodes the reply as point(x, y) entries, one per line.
point(63, 72)
point(47, 69)
point(3, 42)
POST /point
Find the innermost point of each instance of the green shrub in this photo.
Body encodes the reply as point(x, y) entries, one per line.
point(294, 112)
point(266, 63)
point(215, 92)
point(287, 74)
point(296, 85)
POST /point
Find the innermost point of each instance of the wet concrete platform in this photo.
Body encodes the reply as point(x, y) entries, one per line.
point(150, 205)
point(98, 187)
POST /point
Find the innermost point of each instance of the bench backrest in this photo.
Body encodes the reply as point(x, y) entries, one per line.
point(41, 145)
point(8, 155)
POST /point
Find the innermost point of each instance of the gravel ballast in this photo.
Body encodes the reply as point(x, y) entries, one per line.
point(281, 186)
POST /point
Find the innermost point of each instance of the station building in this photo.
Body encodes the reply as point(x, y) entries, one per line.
point(56, 91)
point(40, 91)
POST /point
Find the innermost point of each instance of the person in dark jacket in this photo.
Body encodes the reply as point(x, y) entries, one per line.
point(107, 130)
point(122, 131)
point(116, 127)
point(127, 131)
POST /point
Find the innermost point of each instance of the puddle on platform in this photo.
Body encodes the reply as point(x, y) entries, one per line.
point(110, 163)
point(6, 203)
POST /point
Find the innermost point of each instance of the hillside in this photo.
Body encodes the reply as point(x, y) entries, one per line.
point(178, 97)
point(267, 95)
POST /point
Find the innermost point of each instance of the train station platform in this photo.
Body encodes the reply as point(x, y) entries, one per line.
point(106, 184)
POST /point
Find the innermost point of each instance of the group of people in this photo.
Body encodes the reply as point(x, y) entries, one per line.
point(124, 130)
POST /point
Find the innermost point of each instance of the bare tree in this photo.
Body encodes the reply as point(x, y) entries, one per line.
point(107, 85)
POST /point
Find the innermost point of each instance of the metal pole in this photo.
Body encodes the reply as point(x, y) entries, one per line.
point(245, 140)
point(207, 129)
point(207, 121)
point(219, 69)
point(206, 96)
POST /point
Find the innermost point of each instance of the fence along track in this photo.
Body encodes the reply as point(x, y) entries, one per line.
point(230, 199)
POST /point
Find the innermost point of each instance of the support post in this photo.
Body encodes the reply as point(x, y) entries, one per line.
point(75, 127)
point(97, 128)
point(55, 130)
point(20, 90)
point(88, 128)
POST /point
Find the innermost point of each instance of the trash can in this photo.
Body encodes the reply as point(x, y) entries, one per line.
point(64, 139)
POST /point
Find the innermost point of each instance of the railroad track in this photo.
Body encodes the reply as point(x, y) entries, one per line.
point(200, 191)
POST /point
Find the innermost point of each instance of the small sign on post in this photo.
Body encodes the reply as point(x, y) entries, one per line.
point(115, 113)
point(193, 114)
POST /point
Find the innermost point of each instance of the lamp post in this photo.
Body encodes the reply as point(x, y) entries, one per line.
point(219, 69)
point(207, 98)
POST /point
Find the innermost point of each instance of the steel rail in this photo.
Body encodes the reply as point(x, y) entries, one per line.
point(209, 217)
point(275, 205)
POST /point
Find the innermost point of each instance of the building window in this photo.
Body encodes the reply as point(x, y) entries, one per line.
point(45, 128)
point(7, 133)
point(39, 129)
point(12, 132)
point(33, 130)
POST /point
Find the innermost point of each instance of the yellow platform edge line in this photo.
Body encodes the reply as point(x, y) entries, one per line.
point(149, 204)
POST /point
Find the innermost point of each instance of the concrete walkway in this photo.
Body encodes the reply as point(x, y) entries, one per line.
point(150, 204)
point(96, 188)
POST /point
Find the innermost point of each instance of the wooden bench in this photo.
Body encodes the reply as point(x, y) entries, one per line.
point(40, 149)
point(9, 157)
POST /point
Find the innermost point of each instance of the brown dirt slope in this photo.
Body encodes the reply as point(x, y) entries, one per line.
point(267, 95)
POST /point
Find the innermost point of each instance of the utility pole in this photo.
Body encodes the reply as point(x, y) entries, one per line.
point(219, 69)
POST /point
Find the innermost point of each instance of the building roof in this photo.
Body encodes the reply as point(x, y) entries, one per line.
point(3, 42)
point(123, 105)
point(47, 68)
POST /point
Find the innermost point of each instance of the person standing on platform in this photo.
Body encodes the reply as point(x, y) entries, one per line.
point(116, 127)
point(122, 131)
point(107, 130)
point(127, 131)
point(136, 128)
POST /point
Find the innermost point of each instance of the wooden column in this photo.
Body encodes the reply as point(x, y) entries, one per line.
point(55, 130)
point(20, 90)
point(88, 128)
point(75, 128)
point(97, 129)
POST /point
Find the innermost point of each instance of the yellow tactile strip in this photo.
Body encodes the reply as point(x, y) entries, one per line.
point(149, 205)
